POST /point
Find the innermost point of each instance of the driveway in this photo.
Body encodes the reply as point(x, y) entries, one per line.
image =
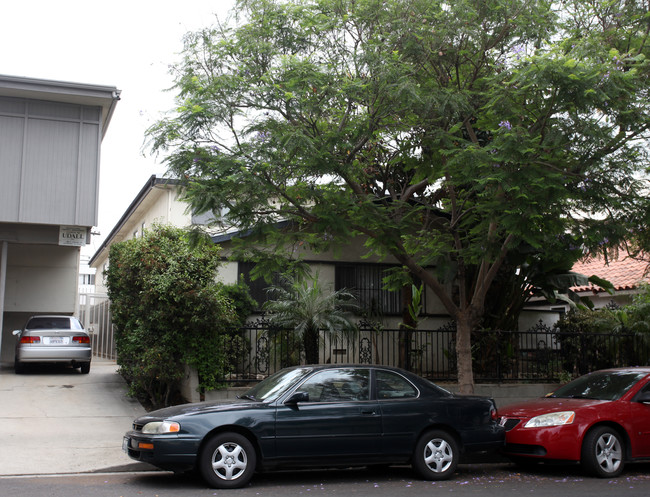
point(57, 420)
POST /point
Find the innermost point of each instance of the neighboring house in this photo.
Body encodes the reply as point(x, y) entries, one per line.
point(624, 272)
point(50, 138)
point(86, 279)
point(158, 202)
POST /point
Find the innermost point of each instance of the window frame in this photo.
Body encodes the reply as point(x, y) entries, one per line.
point(378, 372)
point(333, 371)
point(370, 293)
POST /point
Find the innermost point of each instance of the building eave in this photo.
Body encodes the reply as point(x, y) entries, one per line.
point(151, 183)
point(105, 97)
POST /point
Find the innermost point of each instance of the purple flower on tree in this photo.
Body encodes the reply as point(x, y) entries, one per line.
point(518, 51)
point(505, 124)
point(263, 136)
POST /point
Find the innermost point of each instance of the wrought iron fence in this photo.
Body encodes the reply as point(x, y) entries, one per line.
point(539, 354)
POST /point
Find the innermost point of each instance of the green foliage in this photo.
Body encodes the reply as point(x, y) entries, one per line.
point(168, 312)
point(587, 321)
point(643, 296)
point(584, 338)
point(414, 308)
point(444, 134)
point(302, 305)
point(635, 317)
point(241, 300)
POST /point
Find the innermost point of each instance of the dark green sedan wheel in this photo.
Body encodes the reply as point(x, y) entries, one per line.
point(436, 455)
point(227, 460)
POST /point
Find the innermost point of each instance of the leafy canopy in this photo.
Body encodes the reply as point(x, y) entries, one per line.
point(446, 134)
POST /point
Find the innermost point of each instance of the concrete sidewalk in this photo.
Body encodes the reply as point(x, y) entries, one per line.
point(57, 420)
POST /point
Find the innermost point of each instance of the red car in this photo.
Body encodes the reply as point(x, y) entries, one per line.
point(601, 420)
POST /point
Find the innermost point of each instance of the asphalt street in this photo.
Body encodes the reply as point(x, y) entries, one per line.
point(485, 479)
point(62, 435)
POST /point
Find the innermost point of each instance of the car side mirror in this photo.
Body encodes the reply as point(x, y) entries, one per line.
point(297, 397)
point(16, 332)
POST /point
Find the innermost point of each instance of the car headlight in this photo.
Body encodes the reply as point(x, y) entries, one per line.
point(551, 419)
point(161, 427)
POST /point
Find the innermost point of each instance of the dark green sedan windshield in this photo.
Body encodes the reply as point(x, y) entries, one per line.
point(275, 385)
point(602, 385)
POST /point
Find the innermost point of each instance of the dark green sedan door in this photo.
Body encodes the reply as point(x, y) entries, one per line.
point(338, 420)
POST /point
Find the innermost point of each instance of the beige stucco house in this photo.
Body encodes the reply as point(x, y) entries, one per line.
point(158, 202)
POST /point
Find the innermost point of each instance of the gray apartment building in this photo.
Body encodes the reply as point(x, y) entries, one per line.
point(50, 139)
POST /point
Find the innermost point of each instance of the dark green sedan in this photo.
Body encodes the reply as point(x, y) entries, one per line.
point(319, 416)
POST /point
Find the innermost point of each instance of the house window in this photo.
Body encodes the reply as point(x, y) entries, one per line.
point(210, 217)
point(257, 287)
point(87, 279)
point(366, 282)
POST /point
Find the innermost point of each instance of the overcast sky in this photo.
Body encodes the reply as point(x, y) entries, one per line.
point(126, 44)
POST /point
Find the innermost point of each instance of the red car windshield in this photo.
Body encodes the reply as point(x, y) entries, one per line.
point(602, 385)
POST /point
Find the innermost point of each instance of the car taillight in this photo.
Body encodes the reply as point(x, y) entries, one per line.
point(494, 414)
point(30, 340)
point(81, 339)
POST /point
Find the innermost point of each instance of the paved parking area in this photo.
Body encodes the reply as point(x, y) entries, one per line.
point(57, 420)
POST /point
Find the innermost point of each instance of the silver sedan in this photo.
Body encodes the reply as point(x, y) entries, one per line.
point(53, 339)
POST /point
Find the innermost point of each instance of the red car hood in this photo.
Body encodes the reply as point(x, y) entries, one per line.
point(547, 404)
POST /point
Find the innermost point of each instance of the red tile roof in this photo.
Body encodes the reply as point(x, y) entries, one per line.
point(624, 272)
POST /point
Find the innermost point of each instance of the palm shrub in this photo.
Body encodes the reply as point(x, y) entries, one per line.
point(305, 308)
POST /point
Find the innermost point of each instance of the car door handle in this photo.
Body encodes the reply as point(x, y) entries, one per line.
point(368, 412)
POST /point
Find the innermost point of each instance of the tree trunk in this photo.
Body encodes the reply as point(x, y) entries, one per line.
point(405, 329)
point(310, 342)
point(464, 355)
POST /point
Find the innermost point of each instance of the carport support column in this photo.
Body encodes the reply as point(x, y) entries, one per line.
point(4, 249)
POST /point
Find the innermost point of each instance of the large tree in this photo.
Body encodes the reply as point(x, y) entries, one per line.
point(448, 134)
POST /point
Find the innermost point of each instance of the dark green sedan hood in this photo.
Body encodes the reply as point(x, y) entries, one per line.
point(197, 408)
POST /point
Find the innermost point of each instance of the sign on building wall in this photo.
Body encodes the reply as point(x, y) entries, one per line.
point(74, 236)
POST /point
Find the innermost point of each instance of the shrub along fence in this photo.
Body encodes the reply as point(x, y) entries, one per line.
point(537, 355)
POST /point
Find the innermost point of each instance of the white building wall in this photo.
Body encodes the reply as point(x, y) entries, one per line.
point(42, 279)
point(227, 273)
point(160, 206)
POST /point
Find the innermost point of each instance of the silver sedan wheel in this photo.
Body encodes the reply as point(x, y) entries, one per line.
point(438, 455)
point(229, 461)
point(609, 453)
point(603, 452)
